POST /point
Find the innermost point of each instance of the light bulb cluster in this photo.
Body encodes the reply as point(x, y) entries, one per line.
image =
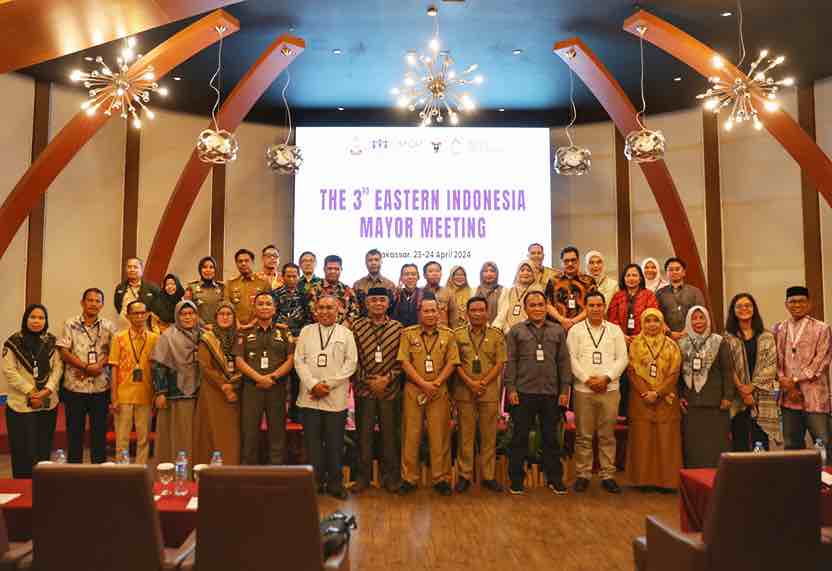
point(119, 89)
point(738, 94)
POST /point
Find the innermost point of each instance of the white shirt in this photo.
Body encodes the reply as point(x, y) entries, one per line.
point(341, 361)
point(611, 346)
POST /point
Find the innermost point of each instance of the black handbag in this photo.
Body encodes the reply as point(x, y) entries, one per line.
point(335, 532)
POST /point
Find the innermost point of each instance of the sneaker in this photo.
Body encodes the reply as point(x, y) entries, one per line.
point(557, 488)
point(462, 486)
point(406, 488)
point(492, 485)
point(443, 489)
point(611, 486)
point(516, 489)
point(581, 485)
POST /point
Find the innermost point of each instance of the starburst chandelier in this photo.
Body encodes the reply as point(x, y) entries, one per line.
point(643, 145)
point(284, 158)
point(120, 89)
point(433, 86)
point(572, 160)
point(738, 94)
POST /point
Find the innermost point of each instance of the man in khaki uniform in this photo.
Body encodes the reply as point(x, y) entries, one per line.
point(242, 290)
point(428, 354)
point(476, 390)
point(447, 306)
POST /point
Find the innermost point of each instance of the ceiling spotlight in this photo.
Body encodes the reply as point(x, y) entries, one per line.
point(516, 51)
point(726, 14)
point(177, 78)
point(677, 78)
point(501, 109)
point(340, 109)
point(432, 11)
point(337, 52)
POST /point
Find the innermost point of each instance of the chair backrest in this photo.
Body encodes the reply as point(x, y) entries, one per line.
point(765, 512)
point(95, 518)
point(250, 517)
point(4, 534)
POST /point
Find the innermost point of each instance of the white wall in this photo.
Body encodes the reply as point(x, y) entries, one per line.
point(823, 125)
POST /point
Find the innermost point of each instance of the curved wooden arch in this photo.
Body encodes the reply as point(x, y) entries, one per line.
point(245, 94)
point(618, 106)
point(81, 128)
point(780, 124)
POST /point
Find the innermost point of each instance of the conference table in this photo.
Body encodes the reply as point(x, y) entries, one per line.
point(176, 519)
point(696, 487)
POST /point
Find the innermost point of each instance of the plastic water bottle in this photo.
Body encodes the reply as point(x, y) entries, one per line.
point(59, 457)
point(123, 457)
point(821, 449)
point(758, 448)
point(181, 475)
point(216, 458)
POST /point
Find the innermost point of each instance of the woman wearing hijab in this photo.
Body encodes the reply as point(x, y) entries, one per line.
point(176, 379)
point(707, 391)
point(755, 412)
point(511, 310)
point(217, 422)
point(654, 442)
point(172, 293)
point(459, 289)
point(33, 370)
point(206, 292)
point(595, 266)
point(653, 274)
point(490, 288)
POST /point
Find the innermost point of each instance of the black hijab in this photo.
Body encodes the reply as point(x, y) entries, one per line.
point(167, 302)
point(33, 348)
point(211, 282)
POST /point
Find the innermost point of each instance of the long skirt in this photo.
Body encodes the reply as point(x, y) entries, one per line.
point(706, 433)
point(174, 429)
point(654, 453)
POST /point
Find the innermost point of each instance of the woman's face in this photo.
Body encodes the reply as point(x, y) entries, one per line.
point(525, 276)
point(459, 277)
point(698, 322)
point(743, 309)
point(596, 266)
point(170, 286)
point(631, 278)
point(489, 275)
point(36, 320)
point(650, 270)
point(187, 317)
point(208, 270)
point(652, 325)
point(225, 318)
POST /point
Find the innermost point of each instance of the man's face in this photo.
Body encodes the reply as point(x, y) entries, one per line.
point(377, 305)
point(433, 274)
point(137, 314)
point(326, 310)
point(92, 303)
point(595, 308)
point(187, 317)
point(264, 307)
point(675, 272)
point(290, 277)
point(307, 264)
point(429, 313)
point(244, 264)
point(489, 276)
point(373, 264)
point(478, 313)
point(536, 255)
point(798, 306)
point(536, 308)
point(271, 259)
point(134, 270)
point(570, 263)
point(332, 271)
point(410, 277)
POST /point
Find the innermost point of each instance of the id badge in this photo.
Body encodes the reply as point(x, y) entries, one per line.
point(570, 303)
point(264, 362)
point(631, 323)
point(322, 359)
point(428, 365)
point(596, 357)
point(654, 370)
point(92, 358)
point(35, 371)
point(378, 357)
point(476, 367)
point(538, 354)
point(697, 364)
point(516, 311)
point(229, 366)
point(138, 375)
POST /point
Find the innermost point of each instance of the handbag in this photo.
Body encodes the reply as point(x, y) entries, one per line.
point(335, 532)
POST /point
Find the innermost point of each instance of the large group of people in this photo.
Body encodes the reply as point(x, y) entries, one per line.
point(212, 358)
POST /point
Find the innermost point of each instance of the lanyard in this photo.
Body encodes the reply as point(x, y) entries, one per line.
point(429, 350)
point(656, 355)
point(522, 295)
point(591, 336)
point(97, 326)
point(795, 339)
point(321, 336)
point(538, 338)
point(475, 346)
point(138, 356)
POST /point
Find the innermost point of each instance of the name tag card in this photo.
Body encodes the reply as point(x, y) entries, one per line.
point(476, 366)
point(516, 310)
point(264, 362)
point(92, 358)
point(571, 303)
point(539, 355)
point(428, 365)
point(229, 366)
point(378, 357)
point(322, 359)
point(631, 323)
point(596, 357)
point(654, 370)
point(137, 375)
point(697, 364)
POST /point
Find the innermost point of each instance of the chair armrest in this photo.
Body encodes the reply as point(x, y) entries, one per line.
point(17, 551)
point(340, 561)
point(669, 548)
point(173, 558)
point(189, 563)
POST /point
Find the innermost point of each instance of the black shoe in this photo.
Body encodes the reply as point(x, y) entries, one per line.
point(340, 494)
point(392, 487)
point(557, 488)
point(406, 488)
point(611, 486)
point(516, 489)
point(443, 489)
point(321, 489)
point(462, 486)
point(492, 485)
point(581, 485)
point(359, 487)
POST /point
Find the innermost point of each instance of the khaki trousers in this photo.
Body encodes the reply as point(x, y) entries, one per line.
point(438, 415)
point(126, 415)
point(471, 414)
point(595, 412)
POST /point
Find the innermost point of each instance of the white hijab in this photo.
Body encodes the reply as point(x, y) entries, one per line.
point(659, 280)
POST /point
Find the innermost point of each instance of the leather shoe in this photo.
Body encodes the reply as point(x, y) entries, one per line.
point(443, 489)
point(492, 485)
point(339, 494)
point(359, 487)
point(611, 486)
point(581, 485)
point(406, 488)
point(462, 486)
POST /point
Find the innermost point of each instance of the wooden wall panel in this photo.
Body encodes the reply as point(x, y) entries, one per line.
point(37, 216)
point(622, 199)
point(713, 218)
point(812, 248)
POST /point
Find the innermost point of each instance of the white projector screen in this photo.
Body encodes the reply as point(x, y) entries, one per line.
point(461, 196)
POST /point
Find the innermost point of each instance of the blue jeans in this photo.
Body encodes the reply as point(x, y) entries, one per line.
point(797, 422)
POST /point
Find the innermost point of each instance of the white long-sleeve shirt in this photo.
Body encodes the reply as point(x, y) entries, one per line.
point(611, 346)
point(341, 361)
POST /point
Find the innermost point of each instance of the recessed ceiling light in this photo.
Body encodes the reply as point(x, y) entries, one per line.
point(677, 78)
point(516, 51)
point(501, 109)
point(177, 78)
point(337, 52)
point(726, 14)
point(340, 109)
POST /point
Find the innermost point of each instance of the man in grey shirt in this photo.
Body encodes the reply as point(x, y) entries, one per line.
point(538, 378)
point(677, 298)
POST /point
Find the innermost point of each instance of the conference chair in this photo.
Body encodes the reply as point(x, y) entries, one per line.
point(98, 518)
point(13, 554)
point(254, 518)
point(764, 514)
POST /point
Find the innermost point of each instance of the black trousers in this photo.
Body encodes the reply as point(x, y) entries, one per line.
point(745, 432)
point(30, 438)
point(546, 408)
point(368, 409)
point(254, 402)
point(323, 435)
point(78, 406)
